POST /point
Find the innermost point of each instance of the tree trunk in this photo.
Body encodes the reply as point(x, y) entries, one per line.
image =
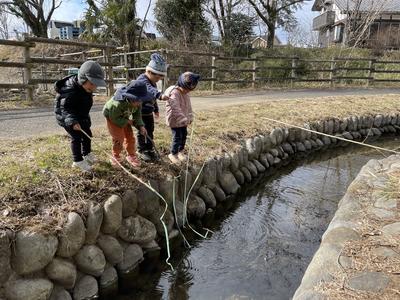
point(271, 37)
point(38, 29)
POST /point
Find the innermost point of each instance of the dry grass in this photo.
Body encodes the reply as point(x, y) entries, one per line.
point(36, 180)
point(363, 255)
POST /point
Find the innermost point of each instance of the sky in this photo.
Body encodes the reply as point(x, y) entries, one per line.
point(74, 9)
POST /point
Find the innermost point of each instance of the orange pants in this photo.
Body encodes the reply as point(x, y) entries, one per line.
point(121, 137)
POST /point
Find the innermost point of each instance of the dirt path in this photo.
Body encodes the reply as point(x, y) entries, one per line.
point(41, 122)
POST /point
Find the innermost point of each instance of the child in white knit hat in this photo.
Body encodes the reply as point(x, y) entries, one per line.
point(155, 71)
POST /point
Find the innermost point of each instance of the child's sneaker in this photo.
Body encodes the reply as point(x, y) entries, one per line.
point(154, 155)
point(82, 165)
point(174, 159)
point(115, 161)
point(133, 160)
point(90, 158)
point(145, 156)
point(182, 156)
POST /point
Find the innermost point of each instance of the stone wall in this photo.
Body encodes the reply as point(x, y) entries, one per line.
point(91, 251)
point(368, 217)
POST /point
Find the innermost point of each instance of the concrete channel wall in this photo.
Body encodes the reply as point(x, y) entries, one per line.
point(92, 250)
point(364, 202)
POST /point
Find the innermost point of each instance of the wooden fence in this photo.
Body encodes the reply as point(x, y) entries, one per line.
point(214, 68)
point(294, 69)
point(30, 62)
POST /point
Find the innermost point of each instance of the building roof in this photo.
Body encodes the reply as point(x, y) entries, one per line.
point(368, 5)
point(277, 41)
point(388, 6)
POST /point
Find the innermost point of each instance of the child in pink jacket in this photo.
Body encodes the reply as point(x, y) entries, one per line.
point(179, 113)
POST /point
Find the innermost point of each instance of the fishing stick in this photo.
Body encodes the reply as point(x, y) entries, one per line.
point(154, 145)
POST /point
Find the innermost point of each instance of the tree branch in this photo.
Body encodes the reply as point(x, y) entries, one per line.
point(259, 13)
point(290, 4)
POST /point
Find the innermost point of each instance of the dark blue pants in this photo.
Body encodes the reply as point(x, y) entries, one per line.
point(80, 143)
point(146, 144)
point(178, 139)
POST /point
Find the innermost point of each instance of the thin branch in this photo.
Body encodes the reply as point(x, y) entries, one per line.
point(143, 23)
point(290, 4)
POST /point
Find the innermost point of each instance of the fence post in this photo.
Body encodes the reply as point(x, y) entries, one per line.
point(28, 72)
point(213, 81)
point(332, 73)
point(166, 79)
point(371, 70)
point(110, 77)
point(44, 75)
point(293, 73)
point(253, 84)
point(126, 67)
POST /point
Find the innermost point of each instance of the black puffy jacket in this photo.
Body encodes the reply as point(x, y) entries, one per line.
point(72, 103)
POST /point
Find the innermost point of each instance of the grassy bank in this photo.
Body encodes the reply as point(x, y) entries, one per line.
point(37, 182)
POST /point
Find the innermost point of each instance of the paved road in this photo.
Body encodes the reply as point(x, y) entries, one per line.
point(41, 122)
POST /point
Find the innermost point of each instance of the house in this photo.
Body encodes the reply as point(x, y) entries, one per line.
point(335, 14)
point(150, 35)
point(64, 30)
point(261, 42)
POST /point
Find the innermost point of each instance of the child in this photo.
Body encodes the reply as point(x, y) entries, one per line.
point(122, 111)
point(155, 71)
point(179, 113)
point(72, 105)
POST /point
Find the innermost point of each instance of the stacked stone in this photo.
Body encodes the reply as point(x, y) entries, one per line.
point(88, 255)
point(223, 175)
point(363, 197)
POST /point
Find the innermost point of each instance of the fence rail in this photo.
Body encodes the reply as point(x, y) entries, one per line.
point(29, 63)
point(214, 67)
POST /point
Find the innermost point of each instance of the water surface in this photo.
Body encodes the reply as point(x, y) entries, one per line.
point(262, 246)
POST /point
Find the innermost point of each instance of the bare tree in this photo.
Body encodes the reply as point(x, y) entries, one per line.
point(302, 35)
point(361, 14)
point(4, 24)
point(36, 13)
point(274, 13)
point(221, 11)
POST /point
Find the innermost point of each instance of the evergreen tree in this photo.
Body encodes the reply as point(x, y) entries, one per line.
point(182, 21)
point(112, 21)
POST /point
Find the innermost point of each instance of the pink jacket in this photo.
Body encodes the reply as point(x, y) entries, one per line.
point(178, 110)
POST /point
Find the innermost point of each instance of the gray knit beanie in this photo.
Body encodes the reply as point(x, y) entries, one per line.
point(157, 65)
point(92, 71)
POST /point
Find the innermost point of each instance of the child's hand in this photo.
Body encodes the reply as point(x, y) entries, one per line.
point(156, 115)
point(142, 130)
point(164, 97)
point(77, 127)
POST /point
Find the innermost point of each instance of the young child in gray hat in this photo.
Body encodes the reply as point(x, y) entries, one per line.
point(155, 71)
point(73, 102)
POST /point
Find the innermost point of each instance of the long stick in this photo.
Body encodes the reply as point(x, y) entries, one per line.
point(332, 136)
point(154, 145)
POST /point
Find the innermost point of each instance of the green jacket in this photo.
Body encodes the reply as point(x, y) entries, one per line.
point(120, 112)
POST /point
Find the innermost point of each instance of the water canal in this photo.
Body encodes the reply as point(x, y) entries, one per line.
point(263, 244)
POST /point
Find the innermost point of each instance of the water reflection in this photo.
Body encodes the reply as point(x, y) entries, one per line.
point(261, 248)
